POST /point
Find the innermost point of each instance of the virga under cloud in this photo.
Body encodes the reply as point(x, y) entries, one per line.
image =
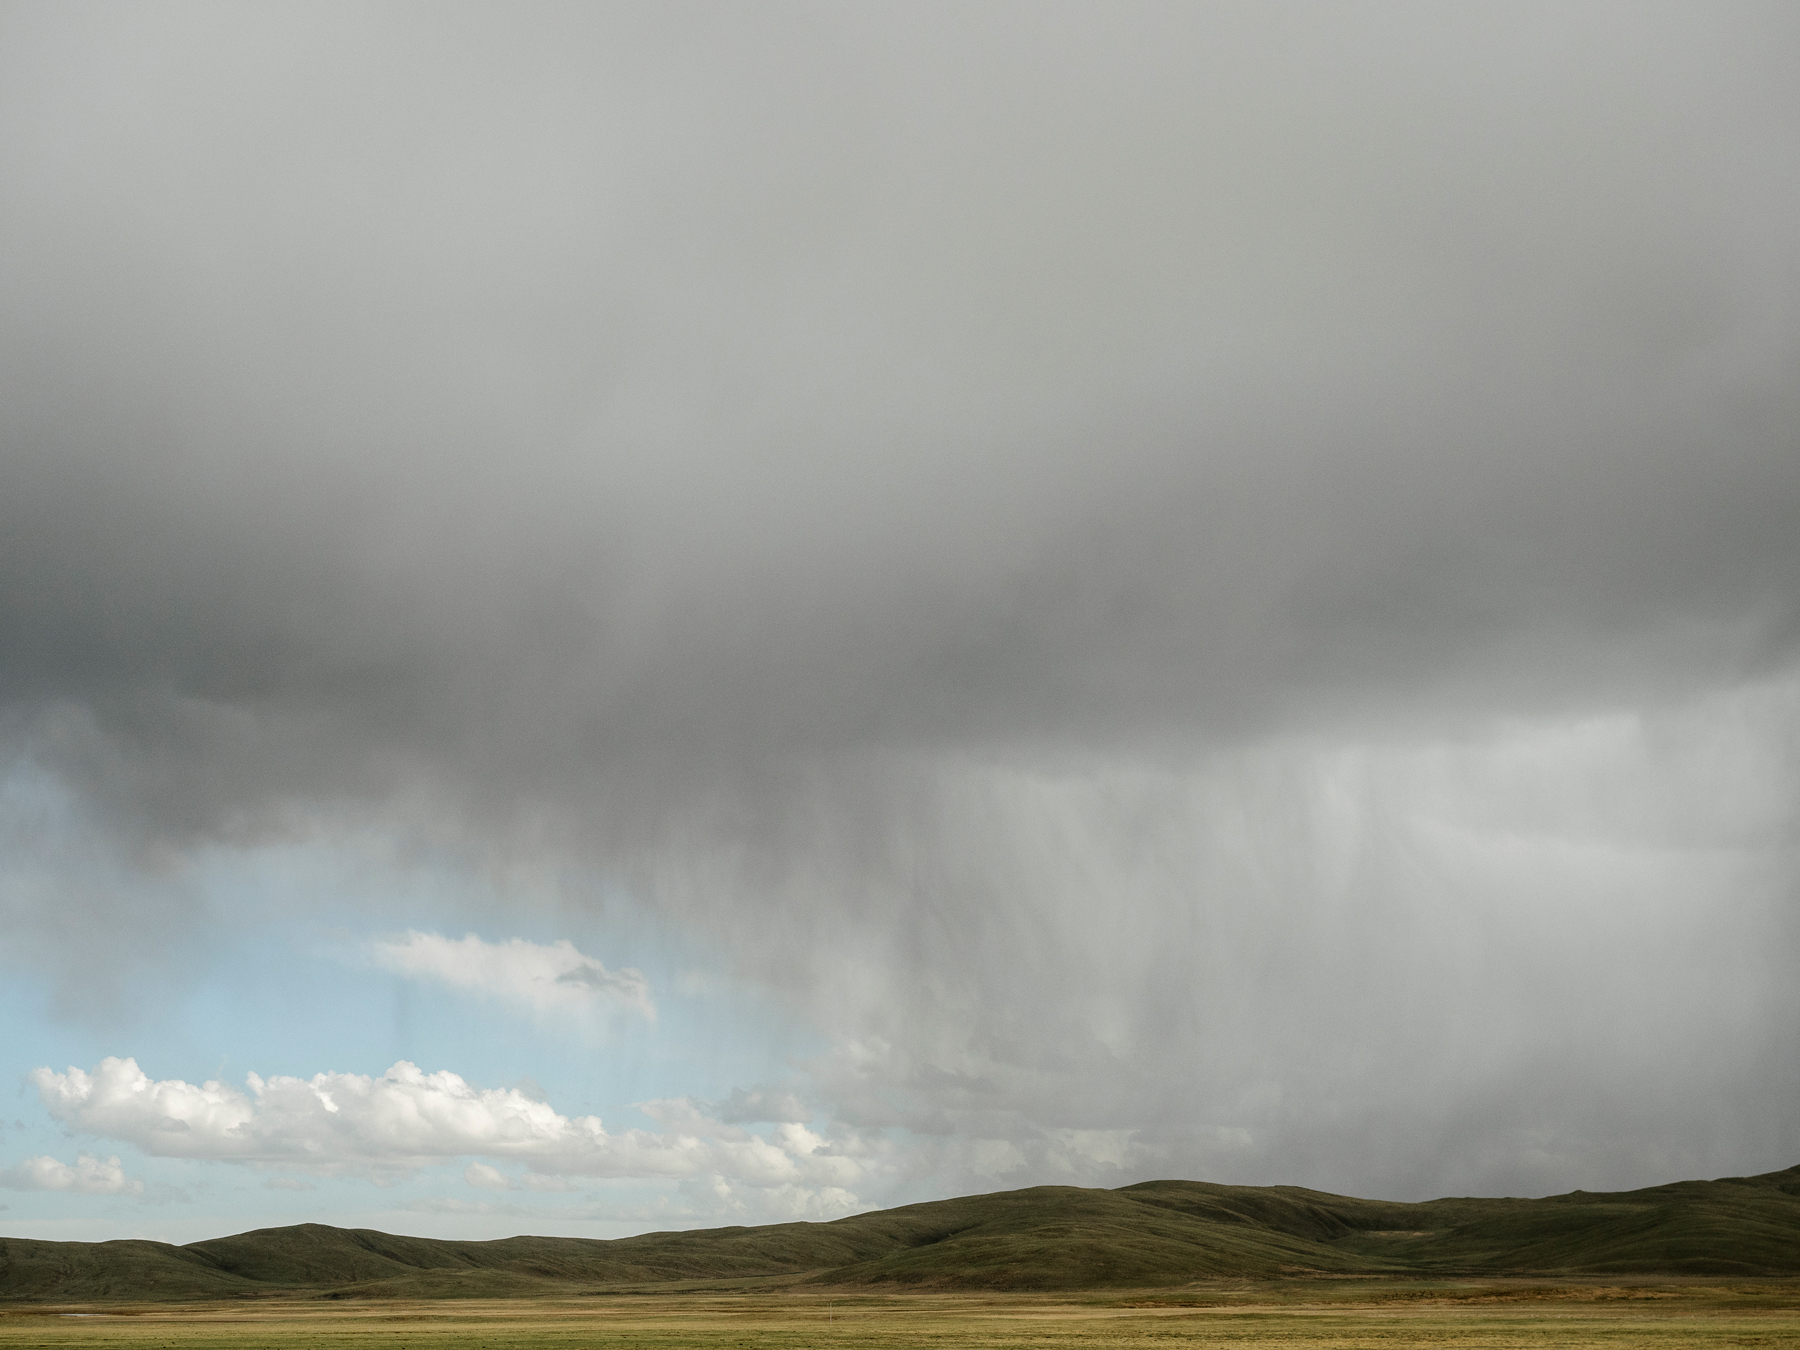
point(1198, 590)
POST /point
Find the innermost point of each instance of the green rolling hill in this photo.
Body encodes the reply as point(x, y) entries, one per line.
point(1157, 1233)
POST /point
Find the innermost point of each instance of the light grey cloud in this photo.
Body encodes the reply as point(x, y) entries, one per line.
point(493, 1179)
point(761, 1104)
point(553, 980)
point(1199, 574)
point(88, 1176)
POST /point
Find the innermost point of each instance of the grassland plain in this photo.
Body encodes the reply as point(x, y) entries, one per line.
point(1299, 1314)
point(1151, 1266)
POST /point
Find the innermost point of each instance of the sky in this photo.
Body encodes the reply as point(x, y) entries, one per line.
point(635, 616)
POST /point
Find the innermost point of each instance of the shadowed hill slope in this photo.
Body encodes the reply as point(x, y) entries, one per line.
point(1046, 1237)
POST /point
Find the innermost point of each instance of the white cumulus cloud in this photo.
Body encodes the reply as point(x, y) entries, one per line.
point(345, 1123)
point(89, 1176)
point(553, 979)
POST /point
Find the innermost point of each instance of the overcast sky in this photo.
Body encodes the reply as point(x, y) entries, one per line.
point(636, 615)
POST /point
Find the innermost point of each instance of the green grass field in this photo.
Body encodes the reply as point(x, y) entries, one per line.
point(1293, 1314)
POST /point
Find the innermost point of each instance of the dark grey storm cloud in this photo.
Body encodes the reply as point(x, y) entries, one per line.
point(1092, 540)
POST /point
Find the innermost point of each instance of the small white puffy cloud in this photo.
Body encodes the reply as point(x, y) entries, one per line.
point(553, 979)
point(488, 1178)
point(343, 1123)
point(493, 1179)
point(89, 1176)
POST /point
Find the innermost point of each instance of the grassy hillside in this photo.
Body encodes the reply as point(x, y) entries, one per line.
point(1157, 1233)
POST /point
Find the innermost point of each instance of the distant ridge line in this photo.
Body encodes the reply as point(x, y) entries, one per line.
point(1153, 1234)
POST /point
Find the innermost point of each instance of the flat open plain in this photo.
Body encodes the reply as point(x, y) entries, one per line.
point(1476, 1314)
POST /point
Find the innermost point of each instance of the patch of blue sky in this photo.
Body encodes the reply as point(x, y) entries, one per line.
point(280, 983)
point(294, 990)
